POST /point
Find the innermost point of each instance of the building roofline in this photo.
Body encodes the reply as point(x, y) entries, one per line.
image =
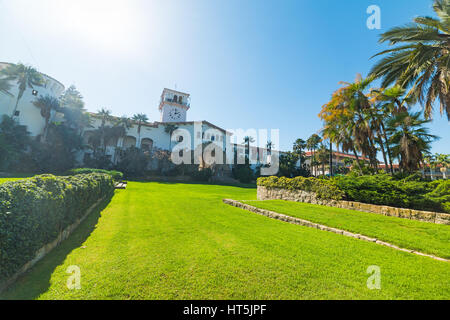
point(184, 93)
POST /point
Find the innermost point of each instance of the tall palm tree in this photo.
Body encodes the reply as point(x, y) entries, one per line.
point(299, 146)
point(170, 128)
point(422, 60)
point(105, 116)
point(409, 138)
point(140, 119)
point(247, 141)
point(312, 143)
point(387, 102)
point(269, 147)
point(47, 104)
point(24, 76)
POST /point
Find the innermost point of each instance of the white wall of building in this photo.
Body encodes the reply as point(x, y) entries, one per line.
point(30, 115)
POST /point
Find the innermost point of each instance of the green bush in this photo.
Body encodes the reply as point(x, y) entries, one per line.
point(117, 175)
point(381, 189)
point(202, 175)
point(325, 189)
point(34, 211)
point(243, 173)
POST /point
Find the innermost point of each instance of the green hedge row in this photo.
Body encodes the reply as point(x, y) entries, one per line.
point(380, 189)
point(117, 175)
point(34, 211)
point(325, 189)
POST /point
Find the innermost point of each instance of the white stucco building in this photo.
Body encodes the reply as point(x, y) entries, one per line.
point(173, 107)
point(27, 114)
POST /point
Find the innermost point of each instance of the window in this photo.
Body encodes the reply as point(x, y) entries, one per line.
point(175, 98)
point(180, 139)
point(221, 138)
point(213, 138)
point(181, 153)
point(180, 99)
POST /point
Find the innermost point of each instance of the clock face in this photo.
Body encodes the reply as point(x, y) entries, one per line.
point(174, 114)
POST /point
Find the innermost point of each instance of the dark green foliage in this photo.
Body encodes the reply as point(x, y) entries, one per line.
point(202, 175)
point(57, 154)
point(380, 189)
point(116, 175)
point(133, 162)
point(14, 139)
point(34, 211)
point(243, 173)
point(325, 188)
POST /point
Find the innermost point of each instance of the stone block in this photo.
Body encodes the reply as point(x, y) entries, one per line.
point(442, 218)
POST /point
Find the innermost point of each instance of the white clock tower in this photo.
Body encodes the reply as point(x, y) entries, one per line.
point(174, 106)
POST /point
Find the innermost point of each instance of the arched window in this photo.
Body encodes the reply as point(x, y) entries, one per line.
point(147, 144)
point(175, 98)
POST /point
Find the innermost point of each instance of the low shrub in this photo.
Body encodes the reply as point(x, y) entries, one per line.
point(202, 175)
point(381, 189)
point(34, 211)
point(325, 189)
point(243, 173)
point(117, 175)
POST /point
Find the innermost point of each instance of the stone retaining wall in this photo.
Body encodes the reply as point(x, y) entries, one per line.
point(265, 193)
point(41, 253)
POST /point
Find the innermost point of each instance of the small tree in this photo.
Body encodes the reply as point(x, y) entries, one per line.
point(47, 104)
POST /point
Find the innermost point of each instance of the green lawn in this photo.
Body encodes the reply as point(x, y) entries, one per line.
point(15, 178)
point(421, 236)
point(179, 241)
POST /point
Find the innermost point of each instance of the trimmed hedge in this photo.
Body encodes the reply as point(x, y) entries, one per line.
point(33, 212)
point(117, 175)
point(380, 189)
point(325, 189)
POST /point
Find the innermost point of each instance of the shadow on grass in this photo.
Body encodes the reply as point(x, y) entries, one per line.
point(37, 280)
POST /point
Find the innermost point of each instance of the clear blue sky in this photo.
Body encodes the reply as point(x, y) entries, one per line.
point(247, 64)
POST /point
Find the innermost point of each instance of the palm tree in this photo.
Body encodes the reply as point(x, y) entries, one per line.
point(141, 119)
point(312, 144)
point(323, 156)
point(350, 111)
point(444, 161)
point(299, 146)
point(170, 128)
point(48, 105)
point(422, 61)
point(269, 147)
point(105, 115)
point(247, 141)
point(409, 138)
point(25, 76)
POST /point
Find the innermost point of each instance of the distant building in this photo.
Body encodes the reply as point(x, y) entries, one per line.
point(173, 108)
point(340, 160)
